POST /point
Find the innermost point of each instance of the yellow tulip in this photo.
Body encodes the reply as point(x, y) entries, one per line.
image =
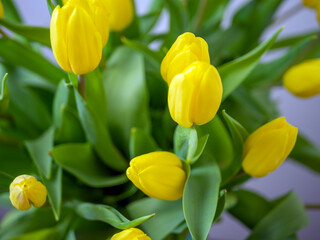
point(267, 147)
point(131, 234)
point(195, 95)
point(303, 80)
point(311, 3)
point(158, 175)
point(26, 190)
point(79, 30)
point(1, 10)
point(121, 13)
point(185, 50)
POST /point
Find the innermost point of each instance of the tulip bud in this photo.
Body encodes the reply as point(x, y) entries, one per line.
point(26, 190)
point(131, 234)
point(311, 3)
point(267, 147)
point(185, 50)
point(1, 10)
point(303, 80)
point(195, 95)
point(121, 14)
point(158, 175)
point(78, 31)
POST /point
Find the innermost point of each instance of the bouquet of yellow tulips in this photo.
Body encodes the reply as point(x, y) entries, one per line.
point(119, 140)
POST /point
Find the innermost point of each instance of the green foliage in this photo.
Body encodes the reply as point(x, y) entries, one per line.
point(80, 144)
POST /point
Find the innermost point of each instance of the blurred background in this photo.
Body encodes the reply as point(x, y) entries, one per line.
point(302, 113)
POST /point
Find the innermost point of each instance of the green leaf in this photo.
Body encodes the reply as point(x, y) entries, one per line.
point(141, 142)
point(54, 188)
point(250, 207)
point(11, 12)
point(306, 153)
point(60, 99)
point(288, 217)
point(185, 142)
point(109, 215)
point(219, 143)
point(200, 199)
point(4, 96)
point(127, 96)
point(51, 6)
point(96, 96)
point(292, 40)
point(32, 33)
point(221, 204)
point(271, 72)
point(98, 135)
point(39, 151)
point(148, 21)
point(168, 216)
point(235, 72)
point(86, 167)
point(18, 54)
point(200, 148)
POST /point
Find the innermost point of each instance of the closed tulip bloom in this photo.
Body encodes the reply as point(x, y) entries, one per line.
point(131, 234)
point(26, 190)
point(185, 50)
point(303, 80)
point(158, 175)
point(267, 147)
point(121, 13)
point(195, 95)
point(1, 10)
point(79, 30)
point(311, 3)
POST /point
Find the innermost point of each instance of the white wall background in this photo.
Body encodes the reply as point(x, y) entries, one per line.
point(302, 113)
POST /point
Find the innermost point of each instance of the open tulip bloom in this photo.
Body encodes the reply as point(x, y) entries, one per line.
point(135, 135)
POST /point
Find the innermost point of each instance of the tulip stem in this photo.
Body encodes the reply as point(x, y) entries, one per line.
point(82, 85)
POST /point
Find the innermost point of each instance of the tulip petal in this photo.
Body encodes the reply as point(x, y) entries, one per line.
point(37, 194)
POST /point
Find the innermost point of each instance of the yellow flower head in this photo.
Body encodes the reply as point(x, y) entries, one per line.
point(185, 50)
point(311, 3)
point(267, 147)
point(121, 13)
point(1, 10)
point(26, 190)
point(303, 80)
point(79, 30)
point(158, 175)
point(195, 95)
point(131, 234)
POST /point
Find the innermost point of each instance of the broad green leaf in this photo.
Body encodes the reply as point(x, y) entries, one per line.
point(17, 222)
point(18, 54)
point(71, 235)
point(31, 120)
point(239, 135)
point(235, 72)
point(141, 142)
point(39, 151)
point(154, 57)
point(43, 234)
point(271, 72)
point(127, 98)
point(86, 167)
point(32, 33)
point(221, 204)
point(54, 188)
point(60, 99)
point(4, 96)
point(306, 153)
point(11, 12)
point(98, 135)
point(219, 143)
point(200, 199)
point(185, 142)
point(96, 96)
point(95, 212)
point(168, 216)
point(200, 148)
point(250, 207)
point(14, 162)
point(285, 219)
